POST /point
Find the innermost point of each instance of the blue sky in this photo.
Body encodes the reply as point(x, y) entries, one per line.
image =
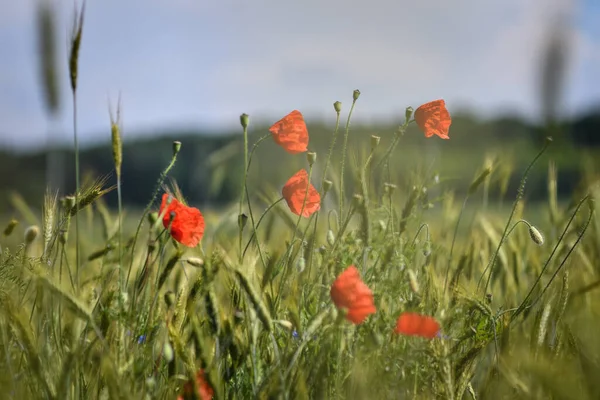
point(201, 63)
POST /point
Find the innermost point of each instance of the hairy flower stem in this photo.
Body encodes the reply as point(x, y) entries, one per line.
point(462, 210)
point(520, 194)
point(342, 167)
point(242, 194)
point(523, 304)
point(331, 146)
point(289, 257)
point(159, 184)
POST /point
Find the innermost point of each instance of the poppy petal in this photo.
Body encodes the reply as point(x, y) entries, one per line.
point(413, 324)
point(350, 292)
point(290, 133)
point(187, 226)
point(295, 194)
point(434, 119)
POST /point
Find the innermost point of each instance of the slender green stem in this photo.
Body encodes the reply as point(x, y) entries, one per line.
point(286, 266)
point(522, 306)
point(331, 146)
point(520, 194)
point(159, 184)
point(462, 210)
point(77, 189)
point(346, 134)
point(259, 221)
point(242, 194)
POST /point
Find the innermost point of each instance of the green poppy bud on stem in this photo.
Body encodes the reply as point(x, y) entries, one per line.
point(244, 120)
point(10, 227)
point(357, 200)
point(195, 262)
point(242, 220)
point(536, 235)
point(337, 106)
point(330, 237)
point(355, 95)
point(176, 147)
point(152, 218)
point(31, 233)
point(408, 113)
point(311, 157)
point(327, 184)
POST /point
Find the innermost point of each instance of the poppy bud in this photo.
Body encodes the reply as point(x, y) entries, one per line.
point(408, 113)
point(31, 233)
point(195, 262)
point(168, 352)
point(68, 202)
point(150, 383)
point(357, 200)
point(355, 95)
point(374, 141)
point(427, 249)
point(311, 157)
point(412, 279)
point(176, 147)
point(286, 324)
point(536, 235)
point(327, 185)
point(63, 236)
point(337, 106)
point(244, 120)
point(242, 220)
point(152, 218)
point(301, 265)
point(330, 237)
point(10, 227)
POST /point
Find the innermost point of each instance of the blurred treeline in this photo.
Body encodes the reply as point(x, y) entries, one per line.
point(209, 167)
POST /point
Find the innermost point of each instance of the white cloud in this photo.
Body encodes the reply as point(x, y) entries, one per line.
point(186, 61)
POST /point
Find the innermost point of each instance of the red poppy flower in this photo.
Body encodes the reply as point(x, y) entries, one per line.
point(188, 224)
point(294, 192)
point(434, 119)
point(413, 324)
point(290, 133)
point(350, 292)
point(205, 392)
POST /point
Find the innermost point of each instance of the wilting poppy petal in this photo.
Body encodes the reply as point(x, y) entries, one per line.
point(290, 133)
point(413, 324)
point(350, 292)
point(434, 119)
point(205, 391)
point(294, 193)
point(187, 226)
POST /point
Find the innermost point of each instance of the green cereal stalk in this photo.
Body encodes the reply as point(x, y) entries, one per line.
point(73, 74)
point(168, 269)
point(523, 304)
point(159, 183)
point(261, 309)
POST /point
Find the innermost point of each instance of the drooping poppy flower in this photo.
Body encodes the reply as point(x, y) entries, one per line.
point(294, 192)
point(205, 392)
point(434, 119)
point(350, 292)
point(413, 324)
point(290, 133)
point(187, 226)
